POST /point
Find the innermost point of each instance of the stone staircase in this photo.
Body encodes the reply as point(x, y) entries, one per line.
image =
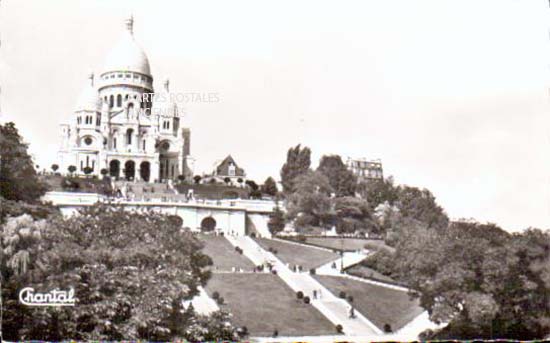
point(260, 224)
point(332, 307)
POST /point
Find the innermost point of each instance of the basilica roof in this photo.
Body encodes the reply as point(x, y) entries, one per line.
point(88, 98)
point(127, 55)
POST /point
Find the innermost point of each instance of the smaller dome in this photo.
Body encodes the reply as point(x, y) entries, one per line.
point(89, 98)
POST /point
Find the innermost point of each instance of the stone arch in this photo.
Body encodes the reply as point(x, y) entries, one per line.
point(130, 170)
point(208, 224)
point(114, 168)
point(145, 170)
point(129, 134)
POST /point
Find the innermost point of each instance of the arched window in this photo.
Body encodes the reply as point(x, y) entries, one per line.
point(87, 161)
point(111, 100)
point(119, 100)
point(144, 141)
point(114, 143)
point(129, 136)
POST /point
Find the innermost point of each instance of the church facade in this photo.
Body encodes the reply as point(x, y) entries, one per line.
point(122, 127)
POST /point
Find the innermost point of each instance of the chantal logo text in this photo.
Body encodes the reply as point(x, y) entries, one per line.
point(29, 297)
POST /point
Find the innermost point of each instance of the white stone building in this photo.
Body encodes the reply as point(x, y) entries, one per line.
point(119, 125)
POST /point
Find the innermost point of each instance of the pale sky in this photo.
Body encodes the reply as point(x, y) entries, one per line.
point(451, 95)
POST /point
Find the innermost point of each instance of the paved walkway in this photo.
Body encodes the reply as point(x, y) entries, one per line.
point(260, 223)
point(335, 309)
point(202, 303)
point(349, 259)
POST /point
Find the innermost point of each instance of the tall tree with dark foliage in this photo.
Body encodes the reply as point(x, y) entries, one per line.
point(18, 178)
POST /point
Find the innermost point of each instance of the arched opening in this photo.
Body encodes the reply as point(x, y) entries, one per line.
point(114, 168)
point(130, 170)
point(111, 101)
point(119, 100)
point(129, 136)
point(208, 224)
point(145, 171)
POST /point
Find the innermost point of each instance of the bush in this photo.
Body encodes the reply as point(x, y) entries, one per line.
point(88, 170)
point(242, 331)
point(350, 298)
point(301, 238)
point(220, 301)
point(215, 295)
point(253, 234)
point(299, 295)
point(312, 271)
point(387, 328)
point(339, 328)
point(307, 300)
point(342, 295)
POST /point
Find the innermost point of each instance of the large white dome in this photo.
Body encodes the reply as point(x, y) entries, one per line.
point(127, 55)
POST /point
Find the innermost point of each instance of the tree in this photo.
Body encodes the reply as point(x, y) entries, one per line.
point(298, 161)
point(124, 286)
point(421, 205)
point(88, 170)
point(104, 172)
point(310, 204)
point(227, 180)
point(352, 215)
point(270, 187)
point(378, 192)
point(252, 184)
point(71, 169)
point(197, 179)
point(18, 178)
point(181, 178)
point(342, 180)
point(55, 167)
point(485, 282)
point(276, 221)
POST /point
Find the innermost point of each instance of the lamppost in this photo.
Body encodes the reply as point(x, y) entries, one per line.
point(342, 255)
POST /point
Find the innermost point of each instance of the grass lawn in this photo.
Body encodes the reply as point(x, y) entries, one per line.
point(369, 273)
point(348, 244)
point(380, 305)
point(298, 254)
point(262, 302)
point(223, 254)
